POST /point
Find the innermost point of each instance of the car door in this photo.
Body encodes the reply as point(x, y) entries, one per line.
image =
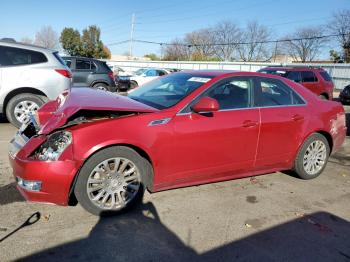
point(218, 145)
point(310, 81)
point(81, 72)
point(283, 118)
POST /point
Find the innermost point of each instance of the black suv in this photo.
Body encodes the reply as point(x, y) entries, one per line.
point(90, 72)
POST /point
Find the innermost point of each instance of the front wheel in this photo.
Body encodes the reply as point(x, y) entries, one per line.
point(21, 106)
point(312, 157)
point(112, 180)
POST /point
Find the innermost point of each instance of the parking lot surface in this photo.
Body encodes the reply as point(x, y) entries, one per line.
point(275, 217)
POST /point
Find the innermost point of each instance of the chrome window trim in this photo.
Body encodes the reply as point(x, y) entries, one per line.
point(242, 108)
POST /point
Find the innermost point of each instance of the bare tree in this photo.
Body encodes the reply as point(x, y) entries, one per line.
point(27, 40)
point(307, 45)
point(340, 24)
point(47, 37)
point(177, 50)
point(227, 33)
point(253, 48)
point(201, 44)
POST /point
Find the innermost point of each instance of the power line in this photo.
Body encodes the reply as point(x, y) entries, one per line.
point(234, 43)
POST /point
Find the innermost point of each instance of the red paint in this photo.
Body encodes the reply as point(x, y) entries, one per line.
point(190, 149)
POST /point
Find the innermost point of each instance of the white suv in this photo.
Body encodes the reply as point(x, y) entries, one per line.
point(29, 77)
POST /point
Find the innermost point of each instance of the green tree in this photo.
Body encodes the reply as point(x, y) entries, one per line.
point(152, 56)
point(71, 41)
point(92, 44)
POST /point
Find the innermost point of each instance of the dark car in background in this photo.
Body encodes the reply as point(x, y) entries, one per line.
point(315, 79)
point(90, 72)
point(344, 95)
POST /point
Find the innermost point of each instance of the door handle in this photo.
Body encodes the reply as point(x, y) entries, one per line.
point(297, 117)
point(249, 123)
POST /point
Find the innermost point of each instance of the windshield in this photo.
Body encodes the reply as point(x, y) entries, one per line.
point(140, 71)
point(167, 91)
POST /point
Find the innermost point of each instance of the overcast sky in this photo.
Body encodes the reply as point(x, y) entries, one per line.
point(159, 21)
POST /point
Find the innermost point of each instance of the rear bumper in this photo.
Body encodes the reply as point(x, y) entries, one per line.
point(55, 176)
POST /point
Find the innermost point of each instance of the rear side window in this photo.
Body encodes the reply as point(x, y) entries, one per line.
point(275, 93)
point(82, 64)
point(12, 56)
point(326, 76)
point(294, 76)
point(308, 76)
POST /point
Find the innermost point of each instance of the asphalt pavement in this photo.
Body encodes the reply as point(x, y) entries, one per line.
point(274, 217)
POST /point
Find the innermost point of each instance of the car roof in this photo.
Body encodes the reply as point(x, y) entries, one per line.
point(27, 46)
point(209, 72)
point(297, 68)
point(82, 57)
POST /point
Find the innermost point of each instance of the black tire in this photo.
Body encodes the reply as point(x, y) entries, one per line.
point(80, 189)
point(101, 86)
point(299, 160)
point(14, 101)
point(133, 84)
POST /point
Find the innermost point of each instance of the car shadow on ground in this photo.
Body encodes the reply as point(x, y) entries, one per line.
point(141, 236)
point(9, 194)
point(3, 119)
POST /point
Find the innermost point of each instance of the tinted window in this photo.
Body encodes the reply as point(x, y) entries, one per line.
point(10, 56)
point(68, 62)
point(276, 93)
point(231, 94)
point(308, 76)
point(161, 73)
point(93, 66)
point(151, 73)
point(167, 91)
point(326, 76)
point(294, 76)
point(82, 64)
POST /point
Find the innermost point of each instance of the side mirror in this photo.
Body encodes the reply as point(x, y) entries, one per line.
point(205, 105)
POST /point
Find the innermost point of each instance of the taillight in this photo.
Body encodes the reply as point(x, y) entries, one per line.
point(111, 76)
point(64, 72)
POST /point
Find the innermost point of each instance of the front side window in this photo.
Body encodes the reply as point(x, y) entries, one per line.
point(12, 56)
point(308, 76)
point(232, 94)
point(273, 92)
point(167, 91)
point(82, 64)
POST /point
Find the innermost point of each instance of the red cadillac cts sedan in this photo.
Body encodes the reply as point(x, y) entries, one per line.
point(188, 128)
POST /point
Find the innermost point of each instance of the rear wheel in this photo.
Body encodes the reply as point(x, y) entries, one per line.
point(312, 157)
point(112, 181)
point(21, 106)
point(101, 86)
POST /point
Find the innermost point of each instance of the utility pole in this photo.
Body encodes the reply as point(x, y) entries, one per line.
point(132, 34)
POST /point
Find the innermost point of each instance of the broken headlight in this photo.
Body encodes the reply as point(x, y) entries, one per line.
point(54, 146)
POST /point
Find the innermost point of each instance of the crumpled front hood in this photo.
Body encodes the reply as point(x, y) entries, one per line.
point(55, 114)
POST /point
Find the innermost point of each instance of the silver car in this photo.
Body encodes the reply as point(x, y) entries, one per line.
point(29, 77)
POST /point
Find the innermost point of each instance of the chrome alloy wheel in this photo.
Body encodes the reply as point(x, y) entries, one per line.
point(315, 157)
point(23, 110)
point(113, 183)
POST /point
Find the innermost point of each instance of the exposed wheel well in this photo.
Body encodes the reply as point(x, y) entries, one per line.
point(325, 95)
point(329, 139)
point(72, 200)
point(18, 91)
point(99, 82)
